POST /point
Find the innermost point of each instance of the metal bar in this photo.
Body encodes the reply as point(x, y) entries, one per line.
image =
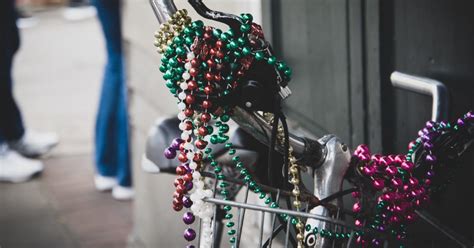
point(213, 228)
point(336, 229)
point(262, 226)
point(274, 219)
point(280, 211)
point(349, 242)
point(304, 196)
point(241, 218)
point(287, 234)
point(199, 236)
point(163, 9)
point(463, 242)
point(426, 86)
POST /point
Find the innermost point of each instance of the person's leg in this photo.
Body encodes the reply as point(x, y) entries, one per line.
point(112, 133)
point(11, 124)
point(13, 167)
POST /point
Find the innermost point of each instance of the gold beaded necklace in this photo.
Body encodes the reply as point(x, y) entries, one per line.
point(172, 28)
point(293, 170)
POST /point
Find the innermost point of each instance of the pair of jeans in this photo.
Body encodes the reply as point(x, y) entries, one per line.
point(112, 155)
point(11, 124)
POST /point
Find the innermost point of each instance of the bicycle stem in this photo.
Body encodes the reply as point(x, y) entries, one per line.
point(309, 152)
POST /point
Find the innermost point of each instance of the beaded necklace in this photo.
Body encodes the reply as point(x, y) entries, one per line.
point(202, 65)
point(399, 191)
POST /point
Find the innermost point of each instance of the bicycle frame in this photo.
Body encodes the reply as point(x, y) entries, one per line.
point(328, 156)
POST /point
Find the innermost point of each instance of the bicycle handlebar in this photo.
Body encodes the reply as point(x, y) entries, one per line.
point(163, 9)
point(311, 152)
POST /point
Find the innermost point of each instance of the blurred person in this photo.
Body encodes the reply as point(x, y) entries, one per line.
point(78, 10)
point(16, 143)
point(112, 156)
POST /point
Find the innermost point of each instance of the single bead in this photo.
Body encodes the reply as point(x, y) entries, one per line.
point(201, 144)
point(170, 153)
point(281, 66)
point(202, 131)
point(189, 234)
point(224, 37)
point(356, 208)
point(177, 208)
point(369, 170)
point(181, 189)
point(188, 177)
point(246, 51)
point(188, 112)
point(397, 182)
point(378, 183)
point(244, 28)
point(271, 60)
point(408, 166)
point(190, 99)
point(259, 55)
point(294, 221)
point(233, 45)
point(431, 159)
point(391, 170)
point(188, 218)
point(180, 51)
point(413, 181)
point(205, 117)
point(181, 170)
point(247, 17)
point(178, 181)
point(214, 139)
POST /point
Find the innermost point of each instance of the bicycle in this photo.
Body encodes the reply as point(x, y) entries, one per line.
point(328, 158)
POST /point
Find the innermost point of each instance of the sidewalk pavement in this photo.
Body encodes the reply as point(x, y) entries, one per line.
point(57, 80)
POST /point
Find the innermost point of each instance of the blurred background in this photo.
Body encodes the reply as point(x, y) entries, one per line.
point(341, 51)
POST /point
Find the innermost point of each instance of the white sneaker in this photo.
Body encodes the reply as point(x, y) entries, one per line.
point(123, 193)
point(79, 13)
point(103, 183)
point(26, 19)
point(15, 168)
point(27, 22)
point(34, 144)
